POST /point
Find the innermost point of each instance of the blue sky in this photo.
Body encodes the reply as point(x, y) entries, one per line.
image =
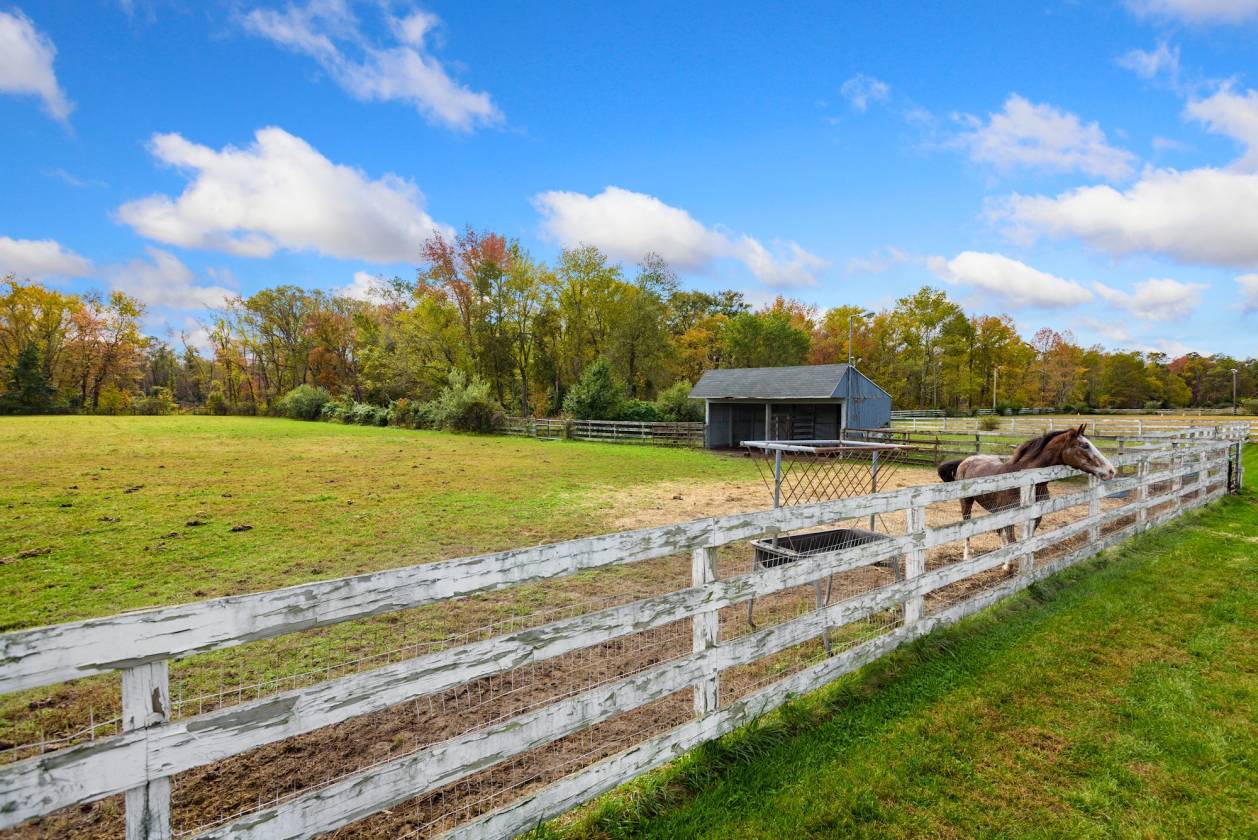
point(1080, 166)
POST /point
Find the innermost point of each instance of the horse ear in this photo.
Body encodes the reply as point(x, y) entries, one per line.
point(1082, 426)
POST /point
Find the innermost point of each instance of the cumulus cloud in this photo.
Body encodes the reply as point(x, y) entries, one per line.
point(40, 258)
point(1015, 282)
point(627, 225)
point(1197, 11)
point(1233, 115)
point(26, 57)
point(1148, 64)
point(280, 192)
point(403, 70)
point(1155, 299)
point(1109, 329)
point(1248, 286)
point(877, 262)
point(860, 90)
point(1205, 216)
point(1028, 135)
point(163, 280)
point(364, 286)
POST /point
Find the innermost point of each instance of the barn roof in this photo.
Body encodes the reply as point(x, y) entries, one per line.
point(820, 382)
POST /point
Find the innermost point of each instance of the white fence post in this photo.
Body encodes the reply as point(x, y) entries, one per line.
point(145, 703)
point(706, 628)
point(1026, 528)
point(1094, 508)
point(914, 560)
point(1142, 494)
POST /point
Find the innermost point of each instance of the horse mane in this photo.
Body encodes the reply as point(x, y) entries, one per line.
point(1034, 447)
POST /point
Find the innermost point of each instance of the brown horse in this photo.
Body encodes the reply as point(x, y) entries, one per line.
point(1066, 447)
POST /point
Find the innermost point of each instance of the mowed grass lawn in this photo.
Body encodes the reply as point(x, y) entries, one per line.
point(99, 514)
point(1118, 699)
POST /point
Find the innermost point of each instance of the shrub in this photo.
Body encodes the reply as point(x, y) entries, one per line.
point(113, 400)
point(366, 414)
point(216, 401)
point(305, 402)
point(465, 405)
point(161, 402)
point(1152, 405)
point(596, 395)
point(989, 422)
point(675, 406)
point(411, 414)
point(638, 411)
point(335, 410)
point(1249, 406)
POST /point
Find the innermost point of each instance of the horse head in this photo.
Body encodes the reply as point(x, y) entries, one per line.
point(1079, 452)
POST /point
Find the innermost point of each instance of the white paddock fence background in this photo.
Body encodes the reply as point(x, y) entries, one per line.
point(1105, 425)
point(1155, 485)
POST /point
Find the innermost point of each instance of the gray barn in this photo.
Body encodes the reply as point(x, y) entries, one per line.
point(808, 402)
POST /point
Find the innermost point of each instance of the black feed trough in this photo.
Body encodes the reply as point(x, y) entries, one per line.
point(782, 550)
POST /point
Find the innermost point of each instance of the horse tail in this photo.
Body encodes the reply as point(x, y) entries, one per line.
point(948, 469)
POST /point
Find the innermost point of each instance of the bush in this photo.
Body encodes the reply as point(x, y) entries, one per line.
point(216, 402)
point(989, 422)
point(596, 395)
point(113, 400)
point(638, 411)
point(305, 402)
point(1249, 406)
point(366, 414)
point(675, 406)
point(161, 402)
point(411, 414)
point(465, 405)
point(1152, 405)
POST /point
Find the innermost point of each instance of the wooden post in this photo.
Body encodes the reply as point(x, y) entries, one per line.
point(1177, 482)
point(1026, 528)
point(145, 703)
point(1142, 494)
point(1094, 509)
point(706, 626)
point(915, 559)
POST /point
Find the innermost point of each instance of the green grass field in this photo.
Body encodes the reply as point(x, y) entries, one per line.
point(1114, 700)
point(97, 513)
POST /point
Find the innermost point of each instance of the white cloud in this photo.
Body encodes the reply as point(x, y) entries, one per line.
point(1197, 216)
point(1041, 136)
point(405, 71)
point(1197, 11)
point(1233, 115)
point(1147, 64)
point(40, 258)
point(164, 281)
point(877, 262)
point(1015, 282)
point(1248, 285)
point(280, 192)
point(26, 57)
point(365, 286)
point(1109, 329)
point(860, 90)
point(1155, 299)
point(627, 225)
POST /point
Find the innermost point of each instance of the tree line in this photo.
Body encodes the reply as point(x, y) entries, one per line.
point(582, 334)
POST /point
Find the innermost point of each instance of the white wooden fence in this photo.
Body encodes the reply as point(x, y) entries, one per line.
point(613, 431)
point(1142, 426)
point(153, 748)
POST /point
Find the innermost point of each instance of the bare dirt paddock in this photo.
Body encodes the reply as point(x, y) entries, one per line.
point(211, 795)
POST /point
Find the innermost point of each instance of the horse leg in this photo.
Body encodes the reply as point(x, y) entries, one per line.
point(967, 508)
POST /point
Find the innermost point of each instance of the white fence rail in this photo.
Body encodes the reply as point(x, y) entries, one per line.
point(613, 431)
point(1143, 426)
point(153, 748)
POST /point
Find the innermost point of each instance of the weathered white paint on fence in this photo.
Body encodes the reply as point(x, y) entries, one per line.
point(143, 758)
point(524, 813)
